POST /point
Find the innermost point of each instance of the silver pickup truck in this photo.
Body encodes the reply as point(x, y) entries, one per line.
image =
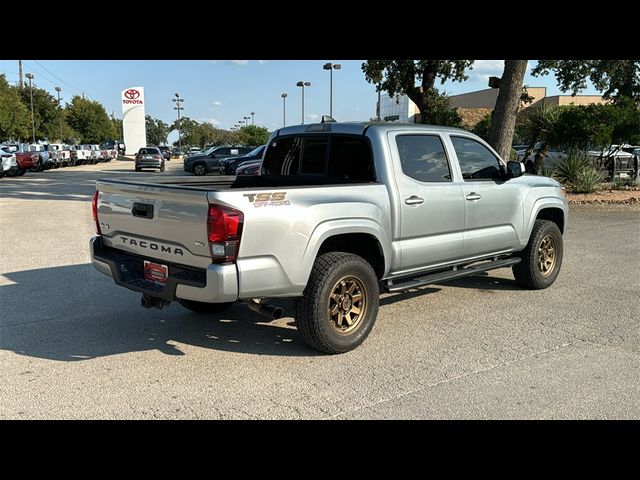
point(339, 213)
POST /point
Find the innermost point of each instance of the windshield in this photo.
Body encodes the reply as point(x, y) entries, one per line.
point(255, 152)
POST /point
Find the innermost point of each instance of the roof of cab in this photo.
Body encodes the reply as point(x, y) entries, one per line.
point(359, 128)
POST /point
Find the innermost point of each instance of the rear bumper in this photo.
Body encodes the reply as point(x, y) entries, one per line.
point(149, 164)
point(216, 284)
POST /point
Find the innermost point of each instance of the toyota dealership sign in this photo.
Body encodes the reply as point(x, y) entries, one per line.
point(131, 96)
point(133, 124)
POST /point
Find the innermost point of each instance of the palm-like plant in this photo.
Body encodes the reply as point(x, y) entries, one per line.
point(540, 125)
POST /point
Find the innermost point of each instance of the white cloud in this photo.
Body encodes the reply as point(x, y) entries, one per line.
point(212, 121)
point(237, 62)
point(312, 116)
point(217, 103)
point(483, 69)
point(262, 62)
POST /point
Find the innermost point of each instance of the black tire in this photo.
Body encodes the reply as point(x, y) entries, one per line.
point(529, 273)
point(21, 172)
point(313, 318)
point(138, 169)
point(200, 169)
point(162, 168)
point(205, 308)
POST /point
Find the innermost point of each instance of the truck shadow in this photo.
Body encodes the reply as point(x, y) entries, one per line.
point(74, 313)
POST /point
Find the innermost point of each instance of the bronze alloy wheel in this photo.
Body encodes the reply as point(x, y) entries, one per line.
point(347, 305)
point(547, 255)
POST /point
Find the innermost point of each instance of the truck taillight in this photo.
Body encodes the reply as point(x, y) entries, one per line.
point(224, 229)
point(94, 211)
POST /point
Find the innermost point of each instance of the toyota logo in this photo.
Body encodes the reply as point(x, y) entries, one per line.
point(132, 94)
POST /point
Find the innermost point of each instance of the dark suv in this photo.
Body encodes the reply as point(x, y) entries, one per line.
point(166, 152)
point(209, 160)
point(149, 157)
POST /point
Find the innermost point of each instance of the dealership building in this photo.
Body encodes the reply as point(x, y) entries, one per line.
point(473, 106)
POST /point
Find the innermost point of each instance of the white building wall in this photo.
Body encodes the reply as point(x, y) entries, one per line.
point(399, 106)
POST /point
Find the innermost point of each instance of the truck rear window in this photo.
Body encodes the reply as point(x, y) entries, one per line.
point(336, 156)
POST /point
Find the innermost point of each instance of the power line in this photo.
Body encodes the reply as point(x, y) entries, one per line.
point(73, 89)
point(56, 76)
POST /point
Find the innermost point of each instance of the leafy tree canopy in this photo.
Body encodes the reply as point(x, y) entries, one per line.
point(401, 77)
point(613, 78)
point(157, 131)
point(15, 118)
point(90, 120)
point(252, 135)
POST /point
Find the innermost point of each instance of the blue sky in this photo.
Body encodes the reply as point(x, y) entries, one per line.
point(224, 91)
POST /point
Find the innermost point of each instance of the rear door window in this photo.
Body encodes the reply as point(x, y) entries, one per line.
point(282, 156)
point(423, 158)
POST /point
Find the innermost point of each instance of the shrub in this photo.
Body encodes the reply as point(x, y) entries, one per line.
point(588, 180)
point(568, 169)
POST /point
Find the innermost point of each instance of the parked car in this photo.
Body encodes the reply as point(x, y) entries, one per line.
point(9, 164)
point(341, 213)
point(96, 152)
point(229, 165)
point(116, 145)
point(208, 161)
point(149, 157)
point(46, 160)
point(166, 152)
point(615, 162)
point(249, 168)
point(82, 154)
point(193, 151)
point(25, 158)
point(63, 154)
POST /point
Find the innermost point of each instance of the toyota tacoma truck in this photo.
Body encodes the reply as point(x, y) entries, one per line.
point(339, 213)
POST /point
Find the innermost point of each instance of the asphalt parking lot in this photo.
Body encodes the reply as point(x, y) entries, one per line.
point(73, 345)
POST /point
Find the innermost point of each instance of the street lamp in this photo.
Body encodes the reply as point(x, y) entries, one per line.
point(58, 89)
point(252, 120)
point(303, 84)
point(33, 119)
point(178, 101)
point(284, 109)
point(246, 120)
point(331, 67)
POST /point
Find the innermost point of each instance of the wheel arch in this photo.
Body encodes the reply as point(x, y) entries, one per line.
point(549, 208)
point(361, 237)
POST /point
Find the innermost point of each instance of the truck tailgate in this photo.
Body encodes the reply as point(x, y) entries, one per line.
point(156, 221)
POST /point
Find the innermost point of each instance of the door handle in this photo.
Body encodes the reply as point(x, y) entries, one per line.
point(414, 200)
point(473, 197)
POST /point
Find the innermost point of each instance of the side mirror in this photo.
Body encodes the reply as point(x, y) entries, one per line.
point(515, 169)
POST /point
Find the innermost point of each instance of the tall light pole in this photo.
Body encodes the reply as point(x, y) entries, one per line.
point(331, 67)
point(178, 101)
point(58, 89)
point(33, 119)
point(303, 84)
point(246, 120)
point(252, 119)
point(284, 109)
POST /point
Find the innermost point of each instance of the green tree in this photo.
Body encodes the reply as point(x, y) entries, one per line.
point(507, 104)
point(45, 112)
point(252, 135)
point(615, 79)
point(90, 120)
point(190, 133)
point(117, 127)
point(157, 131)
point(483, 127)
point(15, 118)
point(542, 127)
point(400, 77)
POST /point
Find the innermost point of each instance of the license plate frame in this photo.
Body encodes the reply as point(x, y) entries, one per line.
point(156, 272)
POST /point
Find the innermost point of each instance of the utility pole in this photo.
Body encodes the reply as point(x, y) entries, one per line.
point(58, 89)
point(179, 107)
point(252, 120)
point(378, 105)
point(33, 119)
point(20, 71)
